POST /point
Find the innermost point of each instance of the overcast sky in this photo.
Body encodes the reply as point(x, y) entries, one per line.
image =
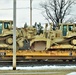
point(23, 13)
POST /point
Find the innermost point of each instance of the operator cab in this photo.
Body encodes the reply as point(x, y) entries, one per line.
point(66, 27)
point(5, 24)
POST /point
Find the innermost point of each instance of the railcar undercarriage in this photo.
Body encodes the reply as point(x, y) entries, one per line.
point(39, 55)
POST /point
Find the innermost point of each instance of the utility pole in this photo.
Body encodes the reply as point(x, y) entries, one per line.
point(14, 34)
point(30, 12)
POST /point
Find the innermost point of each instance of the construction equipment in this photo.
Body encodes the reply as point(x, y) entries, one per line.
point(68, 37)
point(64, 37)
point(6, 36)
point(52, 44)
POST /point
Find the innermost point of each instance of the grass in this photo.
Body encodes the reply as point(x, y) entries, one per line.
point(43, 72)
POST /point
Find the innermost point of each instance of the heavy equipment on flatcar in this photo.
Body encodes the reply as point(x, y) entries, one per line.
point(64, 37)
point(50, 39)
point(59, 44)
point(6, 35)
point(68, 37)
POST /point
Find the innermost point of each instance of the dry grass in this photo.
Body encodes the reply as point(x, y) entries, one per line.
point(43, 72)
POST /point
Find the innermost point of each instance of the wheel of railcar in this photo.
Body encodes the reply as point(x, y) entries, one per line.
point(39, 60)
point(70, 60)
point(64, 60)
point(38, 46)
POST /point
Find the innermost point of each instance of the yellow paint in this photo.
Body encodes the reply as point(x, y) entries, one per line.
point(39, 53)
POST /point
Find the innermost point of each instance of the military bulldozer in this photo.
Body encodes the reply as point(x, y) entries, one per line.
point(6, 36)
point(68, 37)
point(64, 37)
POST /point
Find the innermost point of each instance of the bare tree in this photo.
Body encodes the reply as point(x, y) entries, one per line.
point(56, 10)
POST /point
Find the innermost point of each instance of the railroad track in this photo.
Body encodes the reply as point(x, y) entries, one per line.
point(36, 63)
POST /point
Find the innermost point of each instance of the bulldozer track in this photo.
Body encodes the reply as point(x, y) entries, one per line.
point(4, 38)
